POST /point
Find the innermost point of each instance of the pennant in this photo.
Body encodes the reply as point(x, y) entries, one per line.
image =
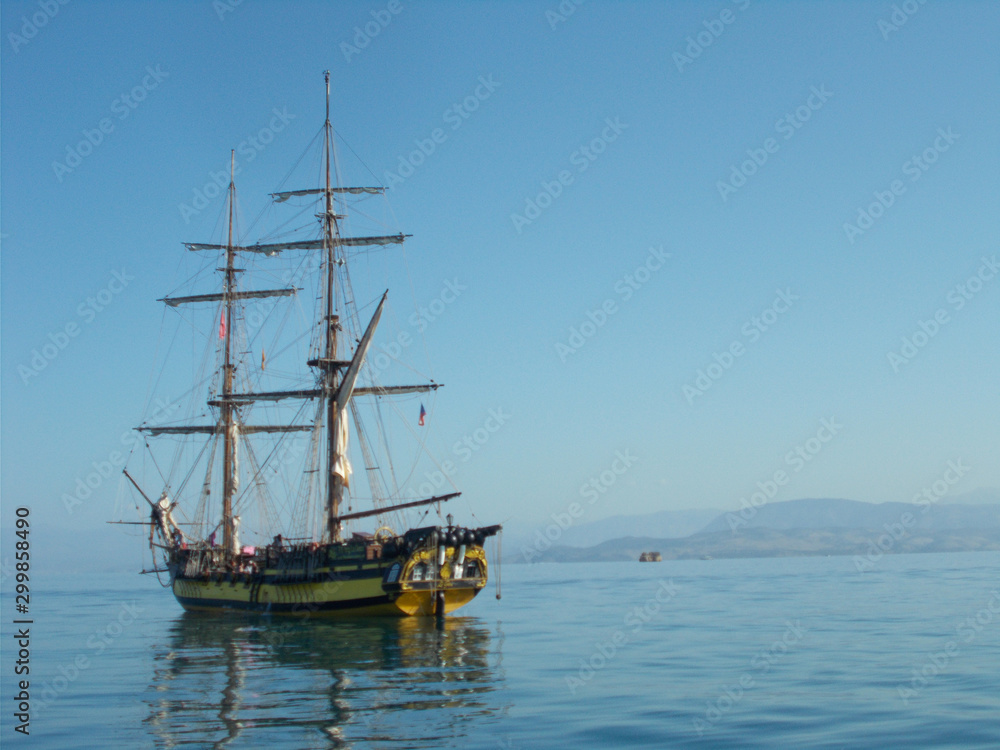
point(263, 359)
point(222, 325)
point(423, 413)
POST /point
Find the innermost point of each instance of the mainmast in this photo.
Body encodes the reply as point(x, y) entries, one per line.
point(331, 232)
point(227, 406)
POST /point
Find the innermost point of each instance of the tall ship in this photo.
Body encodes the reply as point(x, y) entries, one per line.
point(257, 504)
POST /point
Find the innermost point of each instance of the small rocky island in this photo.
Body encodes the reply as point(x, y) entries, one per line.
point(650, 557)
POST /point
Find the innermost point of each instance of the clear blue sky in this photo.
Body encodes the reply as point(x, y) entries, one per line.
point(864, 99)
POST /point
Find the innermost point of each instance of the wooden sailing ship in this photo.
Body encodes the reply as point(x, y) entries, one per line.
point(306, 560)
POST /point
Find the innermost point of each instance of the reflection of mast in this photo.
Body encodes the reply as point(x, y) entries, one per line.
point(232, 693)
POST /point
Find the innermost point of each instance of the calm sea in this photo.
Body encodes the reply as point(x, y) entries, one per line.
point(803, 652)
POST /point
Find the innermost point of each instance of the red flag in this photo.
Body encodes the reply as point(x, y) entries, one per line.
point(222, 325)
point(423, 413)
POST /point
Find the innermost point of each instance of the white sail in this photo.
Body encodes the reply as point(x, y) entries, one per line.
point(165, 519)
point(342, 465)
point(346, 389)
point(234, 526)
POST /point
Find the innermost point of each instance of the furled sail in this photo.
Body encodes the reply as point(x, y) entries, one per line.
point(175, 301)
point(310, 393)
point(277, 247)
point(209, 429)
point(284, 196)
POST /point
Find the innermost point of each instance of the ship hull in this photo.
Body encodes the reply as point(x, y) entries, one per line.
point(402, 586)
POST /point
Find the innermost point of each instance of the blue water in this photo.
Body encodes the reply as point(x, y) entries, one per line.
point(800, 652)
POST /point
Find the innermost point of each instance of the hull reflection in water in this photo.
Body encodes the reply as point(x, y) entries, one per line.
point(258, 682)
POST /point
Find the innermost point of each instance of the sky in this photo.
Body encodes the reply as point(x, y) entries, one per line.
point(702, 249)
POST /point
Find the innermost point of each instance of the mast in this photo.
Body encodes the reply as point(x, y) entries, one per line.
point(335, 483)
point(227, 406)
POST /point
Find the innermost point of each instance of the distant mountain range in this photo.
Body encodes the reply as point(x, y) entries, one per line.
point(666, 524)
point(826, 526)
point(850, 514)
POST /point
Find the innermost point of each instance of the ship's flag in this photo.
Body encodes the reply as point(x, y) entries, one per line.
point(222, 325)
point(263, 359)
point(423, 413)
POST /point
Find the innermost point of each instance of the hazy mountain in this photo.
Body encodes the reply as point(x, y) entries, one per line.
point(831, 513)
point(666, 524)
point(805, 527)
point(762, 542)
